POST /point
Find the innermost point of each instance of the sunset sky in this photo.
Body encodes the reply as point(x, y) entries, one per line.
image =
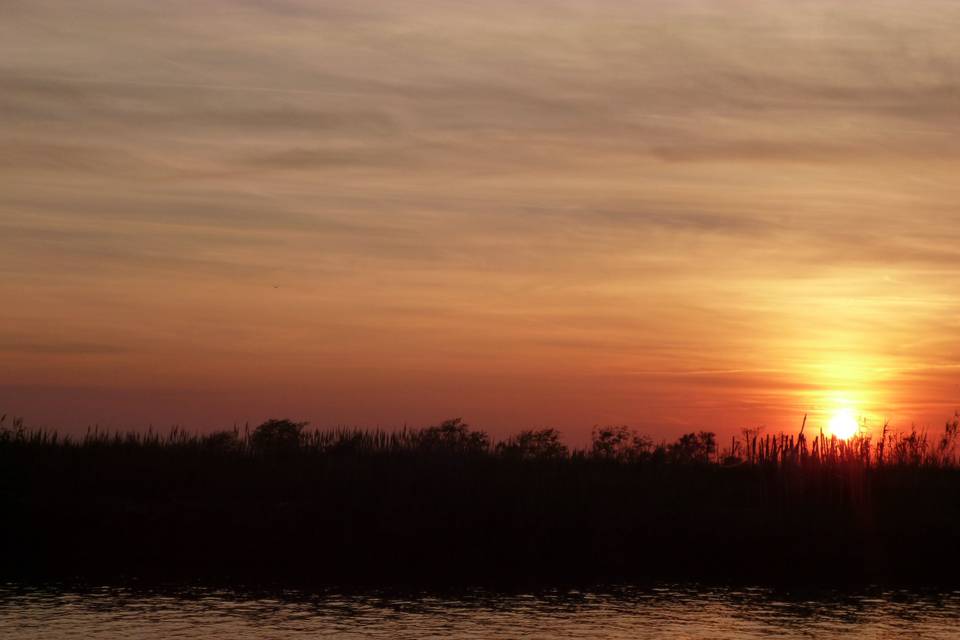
point(671, 214)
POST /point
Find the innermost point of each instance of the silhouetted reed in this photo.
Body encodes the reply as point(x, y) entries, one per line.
point(448, 504)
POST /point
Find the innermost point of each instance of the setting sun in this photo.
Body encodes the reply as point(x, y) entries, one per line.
point(843, 424)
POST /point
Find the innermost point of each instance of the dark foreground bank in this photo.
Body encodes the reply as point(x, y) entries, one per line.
point(444, 505)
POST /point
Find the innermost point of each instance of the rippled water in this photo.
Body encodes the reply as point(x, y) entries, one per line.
point(667, 612)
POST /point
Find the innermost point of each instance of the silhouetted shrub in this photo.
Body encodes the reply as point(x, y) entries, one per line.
point(453, 436)
point(226, 441)
point(620, 443)
point(277, 436)
point(694, 447)
point(542, 444)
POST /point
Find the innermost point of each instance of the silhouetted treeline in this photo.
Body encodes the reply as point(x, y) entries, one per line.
point(447, 505)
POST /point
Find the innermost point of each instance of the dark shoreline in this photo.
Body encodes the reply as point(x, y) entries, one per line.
point(445, 513)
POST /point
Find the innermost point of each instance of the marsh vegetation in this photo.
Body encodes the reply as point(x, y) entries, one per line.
point(448, 504)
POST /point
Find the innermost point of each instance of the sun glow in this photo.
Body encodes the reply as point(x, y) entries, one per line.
point(843, 424)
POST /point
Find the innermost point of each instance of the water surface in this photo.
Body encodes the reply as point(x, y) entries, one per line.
point(622, 612)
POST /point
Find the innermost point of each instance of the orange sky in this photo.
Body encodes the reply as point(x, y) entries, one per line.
point(675, 215)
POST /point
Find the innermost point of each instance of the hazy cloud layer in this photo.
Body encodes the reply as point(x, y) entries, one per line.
point(664, 213)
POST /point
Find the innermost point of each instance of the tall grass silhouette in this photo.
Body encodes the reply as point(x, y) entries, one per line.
point(449, 504)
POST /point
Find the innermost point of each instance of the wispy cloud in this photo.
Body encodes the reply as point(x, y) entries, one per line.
point(558, 194)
